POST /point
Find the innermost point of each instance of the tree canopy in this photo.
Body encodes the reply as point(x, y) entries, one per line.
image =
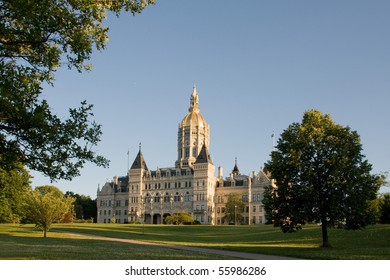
point(84, 206)
point(321, 176)
point(179, 218)
point(234, 208)
point(46, 205)
point(14, 187)
point(36, 38)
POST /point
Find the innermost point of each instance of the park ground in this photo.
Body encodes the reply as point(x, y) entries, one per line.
point(119, 241)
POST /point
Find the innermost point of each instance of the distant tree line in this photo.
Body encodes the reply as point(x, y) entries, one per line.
point(44, 205)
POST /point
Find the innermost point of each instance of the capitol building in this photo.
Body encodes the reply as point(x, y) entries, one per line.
point(192, 185)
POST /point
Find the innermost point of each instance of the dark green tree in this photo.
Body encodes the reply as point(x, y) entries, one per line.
point(47, 205)
point(321, 176)
point(234, 209)
point(14, 187)
point(84, 206)
point(36, 38)
point(385, 209)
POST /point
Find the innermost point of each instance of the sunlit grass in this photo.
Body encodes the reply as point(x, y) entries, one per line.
point(26, 243)
point(78, 241)
point(370, 243)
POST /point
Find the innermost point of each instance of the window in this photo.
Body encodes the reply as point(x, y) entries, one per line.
point(254, 208)
point(187, 152)
point(187, 197)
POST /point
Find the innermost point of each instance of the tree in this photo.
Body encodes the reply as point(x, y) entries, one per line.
point(36, 38)
point(321, 176)
point(46, 205)
point(234, 209)
point(179, 218)
point(14, 186)
point(84, 206)
point(385, 209)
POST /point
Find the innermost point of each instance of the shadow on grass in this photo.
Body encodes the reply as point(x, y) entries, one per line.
point(27, 245)
point(370, 243)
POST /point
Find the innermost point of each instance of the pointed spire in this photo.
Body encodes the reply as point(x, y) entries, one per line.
point(194, 101)
point(235, 170)
point(139, 161)
point(204, 156)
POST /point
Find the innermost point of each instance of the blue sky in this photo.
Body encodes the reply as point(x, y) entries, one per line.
point(258, 66)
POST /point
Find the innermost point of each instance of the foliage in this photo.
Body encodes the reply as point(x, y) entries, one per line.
point(14, 185)
point(385, 209)
point(179, 218)
point(84, 206)
point(46, 205)
point(234, 209)
point(36, 38)
point(321, 176)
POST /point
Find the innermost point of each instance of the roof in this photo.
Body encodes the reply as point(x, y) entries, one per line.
point(139, 162)
point(193, 119)
point(204, 156)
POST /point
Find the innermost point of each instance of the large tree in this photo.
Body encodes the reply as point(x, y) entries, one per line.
point(321, 176)
point(36, 38)
point(46, 205)
point(14, 187)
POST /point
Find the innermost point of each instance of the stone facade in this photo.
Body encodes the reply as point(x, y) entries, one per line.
point(149, 196)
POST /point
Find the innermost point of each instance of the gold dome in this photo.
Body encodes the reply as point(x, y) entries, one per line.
point(193, 119)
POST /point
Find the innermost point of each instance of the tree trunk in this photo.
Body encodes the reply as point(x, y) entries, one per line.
point(325, 240)
point(44, 232)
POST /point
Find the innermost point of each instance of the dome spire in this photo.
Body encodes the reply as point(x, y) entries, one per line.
point(194, 101)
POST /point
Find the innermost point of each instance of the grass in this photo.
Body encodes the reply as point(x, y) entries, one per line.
point(26, 243)
point(372, 242)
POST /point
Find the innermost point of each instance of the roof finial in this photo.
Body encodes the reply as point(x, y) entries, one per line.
point(140, 146)
point(194, 102)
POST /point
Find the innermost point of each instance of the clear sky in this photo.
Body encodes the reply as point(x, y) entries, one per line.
point(258, 66)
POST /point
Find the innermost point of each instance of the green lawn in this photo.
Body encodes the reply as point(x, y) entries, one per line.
point(370, 243)
point(26, 243)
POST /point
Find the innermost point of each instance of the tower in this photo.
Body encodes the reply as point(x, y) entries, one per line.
point(193, 133)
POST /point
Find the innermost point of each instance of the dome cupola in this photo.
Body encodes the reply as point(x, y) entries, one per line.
point(193, 133)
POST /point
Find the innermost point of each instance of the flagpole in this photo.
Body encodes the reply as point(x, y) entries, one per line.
point(128, 160)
